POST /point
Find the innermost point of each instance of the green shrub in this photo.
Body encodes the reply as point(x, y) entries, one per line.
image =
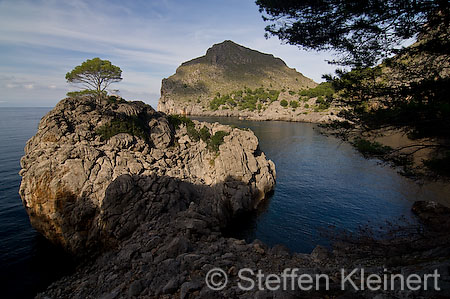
point(306, 106)
point(244, 99)
point(216, 140)
point(323, 106)
point(216, 103)
point(284, 103)
point(324, 89)
point(116, 100)
point(322, 103)
point(86, 92)
point(293, 104)
point(273, 95)
point(177, 120)
point(204, 134)
point(132, 125)
point(193, 134)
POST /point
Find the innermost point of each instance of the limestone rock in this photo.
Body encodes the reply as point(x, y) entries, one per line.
point(228, 67)
point(82, 191)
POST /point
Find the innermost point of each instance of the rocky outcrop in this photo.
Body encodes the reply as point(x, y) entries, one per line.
point(150, 207)
point(83, 191)
point(229, 69)
point(434, 215)
point(170, 256)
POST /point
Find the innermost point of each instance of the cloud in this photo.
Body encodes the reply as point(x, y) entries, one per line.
point(42, 40)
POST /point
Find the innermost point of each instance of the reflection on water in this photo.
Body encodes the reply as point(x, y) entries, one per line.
point(321, 182)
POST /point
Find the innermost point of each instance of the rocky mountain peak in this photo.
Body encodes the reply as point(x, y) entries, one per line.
point(228, 67)
point(231, 54)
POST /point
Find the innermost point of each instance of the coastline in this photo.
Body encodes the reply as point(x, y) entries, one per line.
point(395, 148)
point(143, 258)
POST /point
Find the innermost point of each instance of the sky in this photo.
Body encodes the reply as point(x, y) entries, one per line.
point(42, 40)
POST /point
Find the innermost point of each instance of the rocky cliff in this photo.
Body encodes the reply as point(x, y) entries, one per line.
point(232, 80)
point(146, 195)
point(96, 171)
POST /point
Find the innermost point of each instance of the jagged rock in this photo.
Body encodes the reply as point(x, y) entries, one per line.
point(433, 214)
point(155, 227)
point(319, 253)
point(79, 189)
point(135, 288)
point(160, 132)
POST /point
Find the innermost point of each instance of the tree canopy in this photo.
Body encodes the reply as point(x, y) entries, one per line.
point(362, 31)
point(95, 74)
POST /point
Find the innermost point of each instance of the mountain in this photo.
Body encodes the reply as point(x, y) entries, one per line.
point(230, 79)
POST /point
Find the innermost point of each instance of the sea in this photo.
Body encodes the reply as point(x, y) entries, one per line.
point(323, 185)
point(28, 262)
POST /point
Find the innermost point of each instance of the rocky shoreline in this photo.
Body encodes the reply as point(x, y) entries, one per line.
point(145, 212)
point(273, 112)
point(72, 178)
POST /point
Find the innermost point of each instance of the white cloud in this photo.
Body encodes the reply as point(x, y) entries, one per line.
point(48, 38)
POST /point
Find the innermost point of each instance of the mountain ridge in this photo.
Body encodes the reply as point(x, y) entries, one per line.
point(233, 80)
point(214, 55)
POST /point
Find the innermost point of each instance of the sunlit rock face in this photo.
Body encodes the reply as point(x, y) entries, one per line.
point(232, 80)
point(84, 186)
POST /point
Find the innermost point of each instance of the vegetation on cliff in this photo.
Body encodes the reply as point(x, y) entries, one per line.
point(230, 76)
point(244, 99)
point(133, 125)
point(212, 141)
point(324, 89)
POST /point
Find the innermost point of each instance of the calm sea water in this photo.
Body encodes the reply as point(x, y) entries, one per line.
point(320, 182)
point(28, 262)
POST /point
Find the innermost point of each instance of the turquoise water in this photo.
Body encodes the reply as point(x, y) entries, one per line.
point(321, 182)
point(28, 262)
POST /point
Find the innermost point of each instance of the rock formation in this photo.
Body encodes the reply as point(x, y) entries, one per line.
point(232, 80)
point(148, 206)
point(78, 187)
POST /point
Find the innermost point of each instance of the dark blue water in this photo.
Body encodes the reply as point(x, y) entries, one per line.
point(28, 262)
point(321, 182)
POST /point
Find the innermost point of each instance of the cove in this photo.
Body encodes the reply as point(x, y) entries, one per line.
point(322, 182)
